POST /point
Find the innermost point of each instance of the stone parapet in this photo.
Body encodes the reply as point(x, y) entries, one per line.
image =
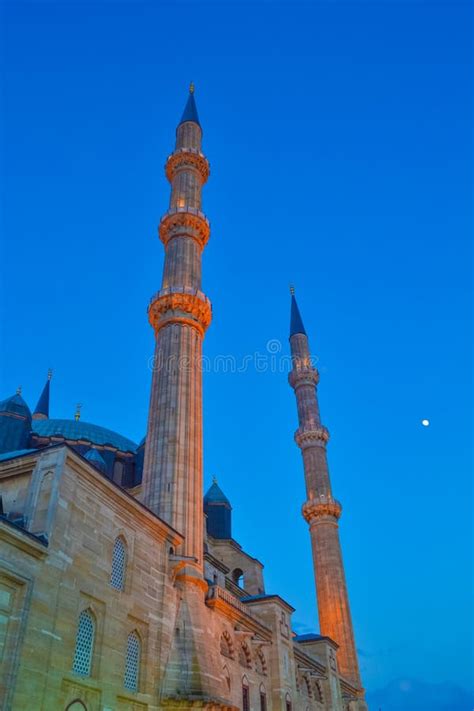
point(303, 376)
point(184, 222)
point(180, 305)
point(310, 437)
point(187, 159)
point(321, 507)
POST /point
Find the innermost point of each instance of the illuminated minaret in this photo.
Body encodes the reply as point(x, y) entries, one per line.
point(321, 510)
point(180, 314)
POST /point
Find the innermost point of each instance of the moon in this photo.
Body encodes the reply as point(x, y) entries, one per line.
point(425, 423)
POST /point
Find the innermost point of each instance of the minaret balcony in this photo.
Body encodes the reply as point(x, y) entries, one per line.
point(303, 376)
point(312, 437)
point(321, 507)
point(187, 159)
point(185, 222)
point(180, 305)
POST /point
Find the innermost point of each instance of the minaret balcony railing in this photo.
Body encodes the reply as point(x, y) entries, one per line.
point(303, 376)
point(187, 159)
point(180, 304)
point(185, 222)
point(321, 507)
point(312, 436)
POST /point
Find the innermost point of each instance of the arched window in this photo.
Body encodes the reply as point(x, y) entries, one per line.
point(288, 705)
point(263, 698)
point(131, 676)
point(245, 695)
point(117, 573)
point(85, 635)
point(238, 577)
point(227, 649)
point(76, 705)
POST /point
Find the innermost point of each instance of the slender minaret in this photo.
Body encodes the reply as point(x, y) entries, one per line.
point(321, 510)
point(180, 314)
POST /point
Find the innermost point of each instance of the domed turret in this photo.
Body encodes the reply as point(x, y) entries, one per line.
point(218, 512)
point(15, 424)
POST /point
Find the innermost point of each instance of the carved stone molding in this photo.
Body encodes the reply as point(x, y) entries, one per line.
point(303, 376)
point(318, 436)
point(179, 307)
point(320, 507)
point(187, 158)
point(186, 222)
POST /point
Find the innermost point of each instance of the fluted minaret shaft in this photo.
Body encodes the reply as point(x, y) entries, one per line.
point(321, 510)
point(180, 314)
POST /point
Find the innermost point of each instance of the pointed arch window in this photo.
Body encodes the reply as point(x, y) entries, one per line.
point(85, 637)
point(263, 698)
point(245, 695)
point(119, 559)
point(131, 676)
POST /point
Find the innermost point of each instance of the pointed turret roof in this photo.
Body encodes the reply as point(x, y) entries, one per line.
point(296, 322)
point(190, 111)
point(15, 405)
point(215, 495)
point(42, 408)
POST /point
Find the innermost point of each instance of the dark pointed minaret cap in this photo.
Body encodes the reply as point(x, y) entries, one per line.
point(296, 322)
point(190, 111)
point(42, 408)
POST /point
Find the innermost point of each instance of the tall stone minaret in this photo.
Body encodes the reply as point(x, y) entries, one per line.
point(321, 510)
point(180, 314)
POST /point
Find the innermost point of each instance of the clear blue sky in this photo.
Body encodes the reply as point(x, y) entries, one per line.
point(339, 141)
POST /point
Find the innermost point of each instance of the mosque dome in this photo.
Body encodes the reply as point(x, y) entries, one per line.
point(82, 432)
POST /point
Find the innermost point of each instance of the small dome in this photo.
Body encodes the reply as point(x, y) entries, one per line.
point(80, 431)
point(95, 458)
point(215, 495)
point(15, 405)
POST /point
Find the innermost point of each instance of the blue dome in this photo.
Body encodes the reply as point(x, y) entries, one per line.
point(15, 405)
point(77, 430)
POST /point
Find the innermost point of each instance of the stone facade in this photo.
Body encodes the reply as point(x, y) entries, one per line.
point(113, 594)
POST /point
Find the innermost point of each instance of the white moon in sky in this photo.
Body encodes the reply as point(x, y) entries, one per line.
point(425, 423)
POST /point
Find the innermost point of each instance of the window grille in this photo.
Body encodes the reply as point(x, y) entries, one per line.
point(84, 644)
point(132, 662)
point(117, 574)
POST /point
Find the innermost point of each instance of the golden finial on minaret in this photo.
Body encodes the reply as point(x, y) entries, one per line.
point(77, 415)
point(191, 88)
point(18, 390)
point(292, 290)
point(50, 373)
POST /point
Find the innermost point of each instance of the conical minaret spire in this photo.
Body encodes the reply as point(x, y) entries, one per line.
point(180, 314)
point(321, 510)
point(42, 408)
